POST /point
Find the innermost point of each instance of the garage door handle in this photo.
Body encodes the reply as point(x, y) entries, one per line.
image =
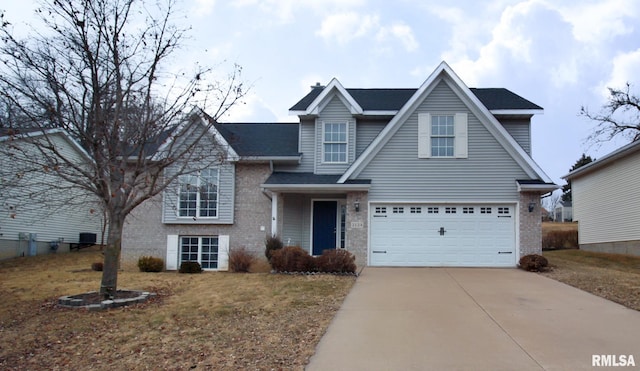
point(379, 251)
point(505, 252)
point(504, 216)
point(379, 216)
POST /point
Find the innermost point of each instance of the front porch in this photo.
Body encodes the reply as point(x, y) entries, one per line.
point(315, 213)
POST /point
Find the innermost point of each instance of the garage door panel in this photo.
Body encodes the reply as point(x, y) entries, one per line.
point(474, 235)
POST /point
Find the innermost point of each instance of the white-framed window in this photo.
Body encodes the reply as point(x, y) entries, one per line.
point(201, 249)
point(432, 210)
point(485, 210)
point(198, 194)
point(398, 210)
point(449, 210)
point(467, 210)
point(334, 142)
point(416, 210)
point(442, 135)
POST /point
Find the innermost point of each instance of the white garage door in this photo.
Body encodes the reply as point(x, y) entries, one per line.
point(442, 235)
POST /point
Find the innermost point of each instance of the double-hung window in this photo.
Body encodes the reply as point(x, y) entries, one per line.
point(442, 136)
point(203, 250)
point(335, 142)
point(198, 194)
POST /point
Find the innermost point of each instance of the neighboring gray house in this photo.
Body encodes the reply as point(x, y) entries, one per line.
point(33, 212)
point(563, 212)
point(606, 204)
point(441, 175)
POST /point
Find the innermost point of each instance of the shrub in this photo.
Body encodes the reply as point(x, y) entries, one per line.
point(560, 240)
point(272, 243)
point(533, 263)
point(336, 261)
point(150, 264)
point(97, 266)
point(292, 259)
point(190, 267)
point(240, 260)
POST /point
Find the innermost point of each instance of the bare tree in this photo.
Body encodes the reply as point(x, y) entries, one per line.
point(550, 202)
point(620, 116)
point(99, 69)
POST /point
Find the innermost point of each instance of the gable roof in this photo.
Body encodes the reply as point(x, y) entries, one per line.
point(621, 152)
point(496, 100)
point(444, 73)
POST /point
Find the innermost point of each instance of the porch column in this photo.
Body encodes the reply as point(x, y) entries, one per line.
point(274, 213)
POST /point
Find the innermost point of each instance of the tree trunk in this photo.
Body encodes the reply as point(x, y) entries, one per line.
point(111, 253)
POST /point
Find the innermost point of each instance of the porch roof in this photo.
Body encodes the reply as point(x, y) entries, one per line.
point(309, 182)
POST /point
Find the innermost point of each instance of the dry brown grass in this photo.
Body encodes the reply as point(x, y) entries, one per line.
point(614, 277)
point(220, 321)
point(553, 226)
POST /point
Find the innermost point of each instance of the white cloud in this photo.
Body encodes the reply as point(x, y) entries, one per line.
point(626, 68)
point(344, 27)
point(399, 31)
point(602, 21)
point(285, 11)
point(203, 8)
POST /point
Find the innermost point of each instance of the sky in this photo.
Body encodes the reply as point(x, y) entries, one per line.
point(561, 55)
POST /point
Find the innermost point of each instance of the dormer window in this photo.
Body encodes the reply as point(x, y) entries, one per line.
point(334, 143)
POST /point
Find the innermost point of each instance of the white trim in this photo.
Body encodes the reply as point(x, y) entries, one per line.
point(517, 112)
point(537, 187)
point(444, 73)
point(334, 84)
point(197, 216)
point(621, 152)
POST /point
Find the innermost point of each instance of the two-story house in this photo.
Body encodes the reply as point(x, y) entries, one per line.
point(441, 175)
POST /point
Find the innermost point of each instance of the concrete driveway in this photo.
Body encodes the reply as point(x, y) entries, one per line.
point(473, 319)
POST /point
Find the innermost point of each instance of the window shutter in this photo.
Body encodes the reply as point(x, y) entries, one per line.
point(223, 253)
point(461, 139)
point(424, 135)
point(172, 252)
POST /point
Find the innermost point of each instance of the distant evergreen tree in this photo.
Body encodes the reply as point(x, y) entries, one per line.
point(566, 189)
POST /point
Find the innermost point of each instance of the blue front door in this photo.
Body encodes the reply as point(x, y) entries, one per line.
point(324, 225)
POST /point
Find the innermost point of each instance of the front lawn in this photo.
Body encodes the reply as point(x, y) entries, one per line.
point(221, 321)
point(612, 276)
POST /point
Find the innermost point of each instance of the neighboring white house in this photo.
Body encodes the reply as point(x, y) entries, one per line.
point(563, 212)
point(38, 210)
point(606, 203)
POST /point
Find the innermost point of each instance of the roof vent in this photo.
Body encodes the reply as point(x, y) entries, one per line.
point(317, 86)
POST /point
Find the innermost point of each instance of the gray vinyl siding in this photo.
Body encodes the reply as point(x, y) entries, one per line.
point(488, 174)
point(296, 220)
point(54, 211)
point(334, 112)
point(307, 145)
point(605, 203)
point(366, 132)
point(520, 130)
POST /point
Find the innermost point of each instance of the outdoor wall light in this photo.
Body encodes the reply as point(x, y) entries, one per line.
point(356, 206)
point(532, 206)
